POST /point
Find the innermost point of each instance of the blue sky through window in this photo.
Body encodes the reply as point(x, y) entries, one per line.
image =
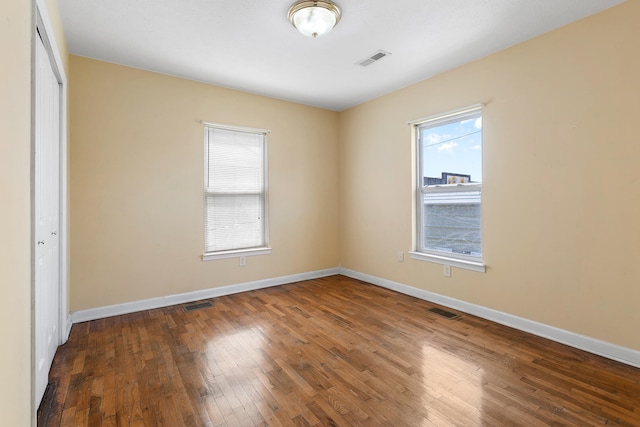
point(454, 147)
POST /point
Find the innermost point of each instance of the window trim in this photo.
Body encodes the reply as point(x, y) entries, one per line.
point(457, 261)
point(453, 259)
point(209, 256)
point(241, 252)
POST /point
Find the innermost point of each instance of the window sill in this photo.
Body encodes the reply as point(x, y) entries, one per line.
point(454, 262)
point(235, 254)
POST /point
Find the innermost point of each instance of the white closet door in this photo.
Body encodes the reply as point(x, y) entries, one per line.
point(47, 218)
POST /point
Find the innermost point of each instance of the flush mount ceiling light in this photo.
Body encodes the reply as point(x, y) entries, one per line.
point(314, 18)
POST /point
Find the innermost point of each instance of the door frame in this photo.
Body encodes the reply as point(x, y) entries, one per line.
point(41, 25)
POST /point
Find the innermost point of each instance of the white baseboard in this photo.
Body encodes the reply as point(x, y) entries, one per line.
point(582, 342)
point(592, 345)
point(151, 303)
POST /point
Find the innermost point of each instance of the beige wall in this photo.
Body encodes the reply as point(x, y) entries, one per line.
point(137, 183)
point(561, 197)
point(15, 249)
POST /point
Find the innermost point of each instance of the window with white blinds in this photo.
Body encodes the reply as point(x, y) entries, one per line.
point(235, 191)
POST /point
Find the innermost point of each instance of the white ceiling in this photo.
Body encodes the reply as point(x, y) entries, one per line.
point(250, 45)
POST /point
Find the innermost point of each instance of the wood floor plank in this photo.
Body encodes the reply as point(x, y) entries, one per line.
point(68, 417)
point(328, 352)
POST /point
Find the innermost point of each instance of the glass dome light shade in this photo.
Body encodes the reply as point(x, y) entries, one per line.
point(314, 18)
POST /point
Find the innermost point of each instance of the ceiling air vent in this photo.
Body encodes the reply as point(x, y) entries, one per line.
point(375, 57)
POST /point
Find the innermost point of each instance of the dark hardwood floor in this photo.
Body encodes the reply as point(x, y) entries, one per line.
point(327, 352)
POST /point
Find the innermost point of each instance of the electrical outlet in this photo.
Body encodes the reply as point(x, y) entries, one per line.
point(243, 261)
point(446, 270)
point(400, 256)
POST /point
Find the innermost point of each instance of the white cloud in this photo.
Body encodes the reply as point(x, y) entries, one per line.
point(478, 123)
point(434, 138)
point(476, 147)
point(447, 146)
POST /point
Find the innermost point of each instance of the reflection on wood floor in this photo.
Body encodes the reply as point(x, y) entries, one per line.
point(327, 352)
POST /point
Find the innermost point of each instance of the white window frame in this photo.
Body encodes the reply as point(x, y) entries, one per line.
point(239, 252)
point(466, 193)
